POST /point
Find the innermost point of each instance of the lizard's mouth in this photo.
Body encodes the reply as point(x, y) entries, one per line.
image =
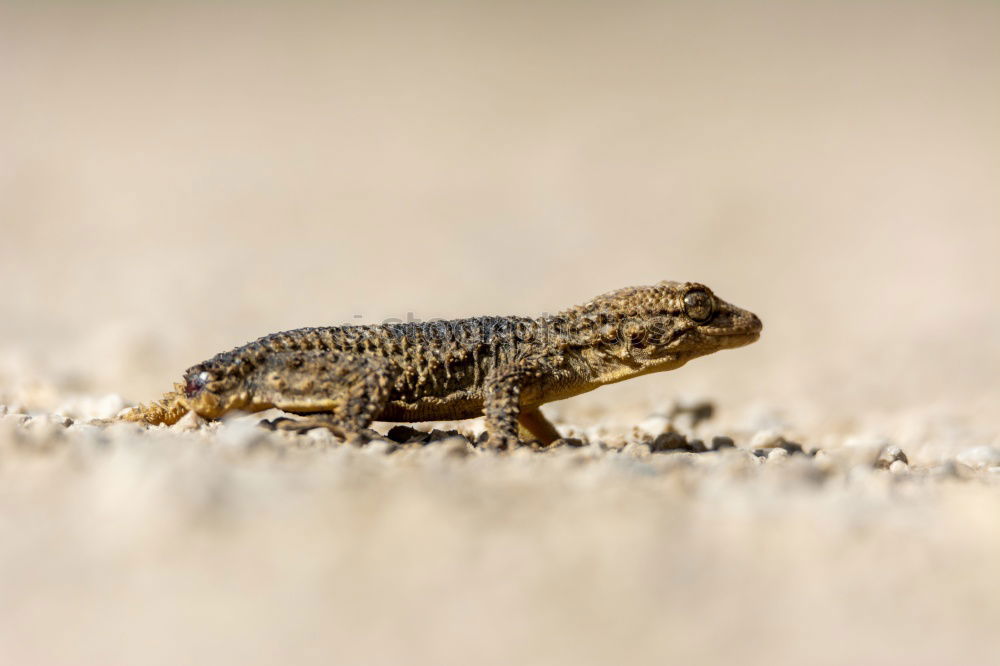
point(746, 335)
point(731, 339)
point(744, 326)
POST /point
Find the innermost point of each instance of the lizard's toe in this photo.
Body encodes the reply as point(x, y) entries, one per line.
point(286, 424)
point(498, 442)
point(280, 423)
point(302, 426)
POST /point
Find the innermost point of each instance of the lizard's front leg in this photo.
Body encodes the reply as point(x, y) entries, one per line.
point(503, 395)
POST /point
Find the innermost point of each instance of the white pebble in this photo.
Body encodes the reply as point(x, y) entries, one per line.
point(89, 407)
point(239, 434)
point(322, 437)
point(979, 457)
point(190, 421)
point(826, 462)
point(452, 447)
point(890, 455)
point(636, 450)
point(898, 467)
point(655, 424)
point(107, 406)
point(379, 447)
point(766, 439)
point(777, 454)
point(13, 419)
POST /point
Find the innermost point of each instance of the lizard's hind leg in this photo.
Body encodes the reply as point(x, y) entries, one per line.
point(340, 392)
point(536, 425)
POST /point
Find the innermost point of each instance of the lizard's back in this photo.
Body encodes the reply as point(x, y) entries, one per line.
point(436, 368)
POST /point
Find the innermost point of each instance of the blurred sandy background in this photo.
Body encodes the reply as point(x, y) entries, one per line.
point(177, 179)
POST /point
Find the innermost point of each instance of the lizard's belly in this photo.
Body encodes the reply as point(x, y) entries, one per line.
point(450, 408)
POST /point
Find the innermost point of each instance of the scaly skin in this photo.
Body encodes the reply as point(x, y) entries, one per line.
point(345, 377)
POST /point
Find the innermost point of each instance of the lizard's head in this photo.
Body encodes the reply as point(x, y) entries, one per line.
point(214, 387)
point(665, 325)
point(699, 321)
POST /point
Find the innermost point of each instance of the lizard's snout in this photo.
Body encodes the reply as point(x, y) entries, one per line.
point(749, 326)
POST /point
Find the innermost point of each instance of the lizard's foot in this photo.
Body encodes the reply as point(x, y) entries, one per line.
point(302, 426)
point(499, 441)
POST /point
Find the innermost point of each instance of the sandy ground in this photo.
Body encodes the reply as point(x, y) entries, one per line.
point(176, 180)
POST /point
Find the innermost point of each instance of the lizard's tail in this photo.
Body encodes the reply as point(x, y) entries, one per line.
point(167, 410)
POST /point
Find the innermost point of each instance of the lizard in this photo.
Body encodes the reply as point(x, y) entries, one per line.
point(502, 367)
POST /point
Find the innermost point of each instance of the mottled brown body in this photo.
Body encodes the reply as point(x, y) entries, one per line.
point(345, 377)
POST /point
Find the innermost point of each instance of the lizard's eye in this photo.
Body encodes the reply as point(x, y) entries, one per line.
point(698, 305)
point(196, 383)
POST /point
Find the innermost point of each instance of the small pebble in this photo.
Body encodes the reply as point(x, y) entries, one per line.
point(636, 450)
point(898, 467)
point(438, 435)
point(238, 434)
point(188, 422)
point(450, 447)
point(979, 457)
point(455, 447)
point(403, 434)
point(670, 441)
point(777, 454)
point(654, 424)
point(322, 437)
point(90, 407)
point(791, 447)
point(54, 420)
point(568, 441)
point(770, 439)
point(109, 405)
point(889, 455)
point(824, 461)
point(722, 442)
point(766, 439)
point(380, 447)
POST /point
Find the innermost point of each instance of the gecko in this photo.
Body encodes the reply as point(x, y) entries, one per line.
point(504, 368)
